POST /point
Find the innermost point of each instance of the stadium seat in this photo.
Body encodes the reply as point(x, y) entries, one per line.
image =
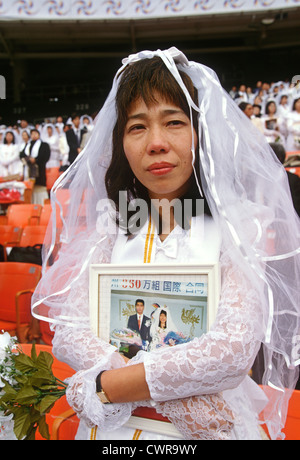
point(21, 215)
point(9, 236)
point(17, 282)
point(52, 174)
point(46, 335)
point(65, 426)
point(32, 235)
point(45, 214)
point(292, 425)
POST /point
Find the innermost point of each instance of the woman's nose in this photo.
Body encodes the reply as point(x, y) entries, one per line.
point(157, 142)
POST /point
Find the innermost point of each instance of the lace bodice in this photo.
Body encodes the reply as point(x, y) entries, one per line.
point(217, 361)
point(214, 362)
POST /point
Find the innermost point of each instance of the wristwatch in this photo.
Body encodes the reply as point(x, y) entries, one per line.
point(99, 390)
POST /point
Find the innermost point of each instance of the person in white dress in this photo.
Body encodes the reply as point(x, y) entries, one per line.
point(10, 163)
point(49, 134)
point(63, 145)
point(274, 126)
point(156, 141)
point(293, 128)
point(161, 327)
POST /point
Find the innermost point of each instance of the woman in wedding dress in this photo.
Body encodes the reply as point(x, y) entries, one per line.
point(274, 125)
point(163, 330)
point(293, 128)
point(50, 135)
point(156, 139)
point(10, 163)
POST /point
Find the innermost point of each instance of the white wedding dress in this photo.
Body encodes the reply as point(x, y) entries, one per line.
point(217, 362)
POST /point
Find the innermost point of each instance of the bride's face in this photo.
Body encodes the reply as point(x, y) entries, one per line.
point(162, 319)
point(157, 143)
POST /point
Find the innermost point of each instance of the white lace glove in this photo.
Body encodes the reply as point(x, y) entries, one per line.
point(205, 417)
point(82, 397)
point(198, 417)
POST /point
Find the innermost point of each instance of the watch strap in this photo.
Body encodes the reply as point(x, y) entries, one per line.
point(99, 390)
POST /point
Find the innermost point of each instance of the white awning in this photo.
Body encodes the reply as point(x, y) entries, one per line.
point(131, 9)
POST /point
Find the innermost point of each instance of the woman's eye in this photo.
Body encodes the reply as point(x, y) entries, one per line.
point(135, 128)
point(175, 123)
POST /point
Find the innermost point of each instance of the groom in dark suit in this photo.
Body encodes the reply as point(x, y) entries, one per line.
point(74, 138)
point(139, 322)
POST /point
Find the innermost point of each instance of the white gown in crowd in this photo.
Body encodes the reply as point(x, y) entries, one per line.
point(235, 323)
point(10, 163)
point(293, 128)
point(58, 146)
point(287, 121)
point(274, 128)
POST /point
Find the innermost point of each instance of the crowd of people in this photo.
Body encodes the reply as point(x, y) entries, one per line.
point(27, 151)
point(274, 109)
point(155, 138)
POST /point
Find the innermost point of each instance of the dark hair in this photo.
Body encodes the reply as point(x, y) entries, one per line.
point(294, 103)
point(143, 79)
point(165, 313)
point(34, 130)
point(14, 138)
point(279, 151)
point(139, 301)
point(75, 115)
point(268, 105)
point(243, 105)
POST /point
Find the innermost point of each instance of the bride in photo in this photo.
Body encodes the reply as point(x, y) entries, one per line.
point(163, 330)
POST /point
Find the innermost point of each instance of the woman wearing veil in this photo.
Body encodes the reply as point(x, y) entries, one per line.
point(163, 330)
point(169, 131)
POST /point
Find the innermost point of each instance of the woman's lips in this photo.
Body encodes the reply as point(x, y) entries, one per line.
point(159, 169)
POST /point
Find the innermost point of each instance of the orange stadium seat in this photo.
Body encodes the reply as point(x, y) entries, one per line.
point(45, 214)
point(32, 235)
point(9, 236)
point(292, 425)
point(21, 215)
point(17, 282)
point(52, 174)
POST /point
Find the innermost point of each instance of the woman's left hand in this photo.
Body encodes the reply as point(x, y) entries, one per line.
point(200, 417)
point(82, 397)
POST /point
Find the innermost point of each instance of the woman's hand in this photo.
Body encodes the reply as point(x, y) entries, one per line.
point(205, 417)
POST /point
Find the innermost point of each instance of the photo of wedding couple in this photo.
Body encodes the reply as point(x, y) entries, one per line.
point(148, 322)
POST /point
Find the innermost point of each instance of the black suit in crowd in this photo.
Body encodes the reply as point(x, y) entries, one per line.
point(74, 141)
point(41, 160)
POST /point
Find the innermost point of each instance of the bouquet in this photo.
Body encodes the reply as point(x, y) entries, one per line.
point(127, 335)
point(28, 390)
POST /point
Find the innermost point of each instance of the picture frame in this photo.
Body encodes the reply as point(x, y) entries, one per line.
point(188, 295)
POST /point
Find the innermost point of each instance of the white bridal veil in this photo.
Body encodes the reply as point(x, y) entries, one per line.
point(248, 194)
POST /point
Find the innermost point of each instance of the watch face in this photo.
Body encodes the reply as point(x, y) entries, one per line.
point(103, 398)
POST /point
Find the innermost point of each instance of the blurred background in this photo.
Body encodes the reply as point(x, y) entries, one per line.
point(55, 63)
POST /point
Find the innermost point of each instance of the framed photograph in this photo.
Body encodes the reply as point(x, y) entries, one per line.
point(145, 307)
point(271, 124)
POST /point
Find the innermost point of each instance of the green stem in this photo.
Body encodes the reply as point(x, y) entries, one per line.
point(65, 385)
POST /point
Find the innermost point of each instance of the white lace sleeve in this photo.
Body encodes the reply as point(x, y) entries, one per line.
point(78, 346)
point(218, 360)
